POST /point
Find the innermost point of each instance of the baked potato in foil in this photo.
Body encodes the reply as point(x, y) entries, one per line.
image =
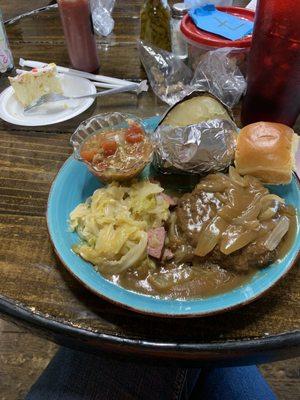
point(197, 135)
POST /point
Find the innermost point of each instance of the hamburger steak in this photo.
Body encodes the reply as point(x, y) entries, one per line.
point(196, 209)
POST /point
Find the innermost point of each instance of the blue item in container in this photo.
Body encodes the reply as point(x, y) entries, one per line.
point(209, 19)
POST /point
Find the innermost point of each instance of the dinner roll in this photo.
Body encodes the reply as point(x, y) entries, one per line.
point(266, 150)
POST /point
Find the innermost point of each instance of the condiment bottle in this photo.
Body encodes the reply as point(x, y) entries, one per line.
point(179, 45)
point(155, 24)
point(6, 60)
point(273, 91)
point(78, 28)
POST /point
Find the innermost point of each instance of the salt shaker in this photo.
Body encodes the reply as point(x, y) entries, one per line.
point(179, 46)
point(6, 60)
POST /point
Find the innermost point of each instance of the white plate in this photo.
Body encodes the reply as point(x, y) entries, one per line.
point(51, 113)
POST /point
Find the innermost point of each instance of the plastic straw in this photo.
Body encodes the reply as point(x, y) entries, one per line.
point(87, 75)
point(97, 84)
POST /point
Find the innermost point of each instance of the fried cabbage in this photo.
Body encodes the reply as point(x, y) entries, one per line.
point(113, 224)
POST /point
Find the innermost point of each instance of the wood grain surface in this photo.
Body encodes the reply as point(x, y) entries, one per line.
point(36, 289)
point(14, 8)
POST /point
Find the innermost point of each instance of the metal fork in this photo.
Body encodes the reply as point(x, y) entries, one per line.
point(52, 97)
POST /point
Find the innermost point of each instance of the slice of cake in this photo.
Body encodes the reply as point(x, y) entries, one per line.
point(31, 85)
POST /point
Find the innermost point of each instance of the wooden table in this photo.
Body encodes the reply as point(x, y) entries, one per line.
point(35, 289)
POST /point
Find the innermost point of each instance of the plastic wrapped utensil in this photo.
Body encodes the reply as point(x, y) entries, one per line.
point(102, 20)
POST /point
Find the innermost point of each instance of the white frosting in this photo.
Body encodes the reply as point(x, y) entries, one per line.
point(39, 72)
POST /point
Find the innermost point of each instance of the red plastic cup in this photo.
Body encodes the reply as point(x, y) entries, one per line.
point(273, 92)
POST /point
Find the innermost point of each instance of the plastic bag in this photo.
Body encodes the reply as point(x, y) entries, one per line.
point(101, 13)
point(219, 74)
point(171, 80)
point(169, 77)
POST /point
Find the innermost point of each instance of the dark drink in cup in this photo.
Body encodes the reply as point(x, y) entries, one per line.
point(79, 34)
point(273, 91)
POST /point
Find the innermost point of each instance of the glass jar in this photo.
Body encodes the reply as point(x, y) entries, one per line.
point(155, 24)
point(78, 29)
point(179, 45)
point(273, 91)
point(6, 59)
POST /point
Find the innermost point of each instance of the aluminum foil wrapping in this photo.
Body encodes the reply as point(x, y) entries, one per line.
point(201, 148)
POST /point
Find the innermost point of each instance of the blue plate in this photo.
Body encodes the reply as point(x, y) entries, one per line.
point(74, 184)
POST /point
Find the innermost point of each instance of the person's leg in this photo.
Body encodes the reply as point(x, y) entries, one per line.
point(73, 375)
point(238, 383)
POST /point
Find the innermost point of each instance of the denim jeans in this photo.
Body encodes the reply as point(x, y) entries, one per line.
point(73, 375)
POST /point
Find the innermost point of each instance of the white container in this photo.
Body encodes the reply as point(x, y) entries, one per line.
point(199, 41)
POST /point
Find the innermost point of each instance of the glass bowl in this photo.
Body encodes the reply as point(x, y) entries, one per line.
point(127, 161)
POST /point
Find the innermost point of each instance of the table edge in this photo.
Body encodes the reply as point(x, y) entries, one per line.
point(285, 344)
